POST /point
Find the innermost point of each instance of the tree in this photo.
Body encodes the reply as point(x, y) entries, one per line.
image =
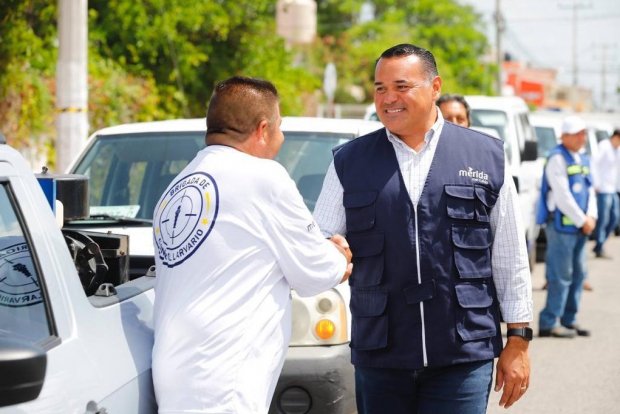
point(446, 28)
point(156, 59)
point(26, 75)
point(28, 55)
point(189, 46)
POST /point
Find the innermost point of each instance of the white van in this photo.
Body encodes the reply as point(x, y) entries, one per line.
point(548, 132)
point(509, 117)
point(544, 121)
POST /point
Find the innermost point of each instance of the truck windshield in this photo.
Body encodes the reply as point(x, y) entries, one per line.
point(306, 156)
point(601, 135)
point(129, 172)
point(546, 140)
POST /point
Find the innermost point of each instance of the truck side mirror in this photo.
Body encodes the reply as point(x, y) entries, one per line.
point(530, 151)
point(23, 367)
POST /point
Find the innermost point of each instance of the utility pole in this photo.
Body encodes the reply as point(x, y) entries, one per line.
point(606, 59)
point(575, 6)
point(603, 83)
point(71, 81)
point(499, 26)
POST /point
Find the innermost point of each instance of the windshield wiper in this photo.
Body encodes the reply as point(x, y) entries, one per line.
point(120, 219)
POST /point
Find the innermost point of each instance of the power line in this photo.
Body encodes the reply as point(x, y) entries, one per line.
point(575, 6)
point(511, 35)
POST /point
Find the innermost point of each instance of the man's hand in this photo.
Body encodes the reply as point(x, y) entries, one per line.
point(342, 245)
point(588, 226)
point(513, 370)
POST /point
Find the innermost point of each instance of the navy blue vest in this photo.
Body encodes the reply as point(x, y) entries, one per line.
point(422, 292)
point(579, 182)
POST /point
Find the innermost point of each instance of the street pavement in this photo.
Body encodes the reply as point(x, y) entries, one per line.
point(579, 375)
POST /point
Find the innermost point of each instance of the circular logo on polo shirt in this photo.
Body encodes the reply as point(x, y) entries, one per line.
point(185, 217)
point(19, 285)
point(577, 187)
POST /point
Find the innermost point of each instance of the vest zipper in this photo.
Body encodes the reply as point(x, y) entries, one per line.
point(417, 258)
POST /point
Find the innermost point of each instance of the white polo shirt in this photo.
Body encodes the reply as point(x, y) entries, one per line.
point(232, 236)
point(605, 168)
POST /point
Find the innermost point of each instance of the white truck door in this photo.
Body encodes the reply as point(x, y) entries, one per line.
point(97, 357)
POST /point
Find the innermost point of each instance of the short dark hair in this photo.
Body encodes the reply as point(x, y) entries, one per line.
point(239, 104)
point(449, 97)
point(406, 49)
point(616, 132)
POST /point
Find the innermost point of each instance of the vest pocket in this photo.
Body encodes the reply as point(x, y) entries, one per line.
point(474, 319)
point(368, 258)
point(472, 255)
point(369, 329)
point(485, 200)
point(359, 210)
point(460, 202)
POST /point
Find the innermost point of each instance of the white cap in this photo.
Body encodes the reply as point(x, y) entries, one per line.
point(573, 124)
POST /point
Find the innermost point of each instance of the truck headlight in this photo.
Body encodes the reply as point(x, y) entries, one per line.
point(319, 320)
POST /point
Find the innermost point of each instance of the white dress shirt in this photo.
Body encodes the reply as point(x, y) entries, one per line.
point(605, 166)
point(560, 196)
point(510, 263)
point(232, 236)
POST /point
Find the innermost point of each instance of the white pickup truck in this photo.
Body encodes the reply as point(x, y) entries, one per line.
point(75, 332)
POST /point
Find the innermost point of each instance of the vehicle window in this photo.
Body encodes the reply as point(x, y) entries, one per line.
point(129, 172)
point(528, 131)
point(601, 135)
point(546, 140)
point(520, 130)
point(22, 309)
point(496, 120)
point(587, 149)
point(306, 156)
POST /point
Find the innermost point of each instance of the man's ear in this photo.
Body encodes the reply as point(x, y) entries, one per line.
point(437, 82)
point(262, 131)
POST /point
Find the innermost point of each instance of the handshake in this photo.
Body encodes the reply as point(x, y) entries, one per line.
point(342, 246)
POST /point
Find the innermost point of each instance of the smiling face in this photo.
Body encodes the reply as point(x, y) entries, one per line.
point(405, 96)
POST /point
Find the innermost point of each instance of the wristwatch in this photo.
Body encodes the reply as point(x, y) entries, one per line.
point(525, 333)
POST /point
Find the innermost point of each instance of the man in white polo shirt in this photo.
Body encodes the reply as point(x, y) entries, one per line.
point(232, 236)
point(605, 170)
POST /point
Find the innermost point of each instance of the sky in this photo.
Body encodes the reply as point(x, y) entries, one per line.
point(540, 32)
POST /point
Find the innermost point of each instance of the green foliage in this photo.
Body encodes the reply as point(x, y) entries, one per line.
point(189, 46)
point(156, 59)
point(116, 97)
point(26, 77)
point(336, 16)
point(452, 32)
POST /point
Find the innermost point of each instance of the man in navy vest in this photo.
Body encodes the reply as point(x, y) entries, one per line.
point(432, 219)
point(568, 207)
